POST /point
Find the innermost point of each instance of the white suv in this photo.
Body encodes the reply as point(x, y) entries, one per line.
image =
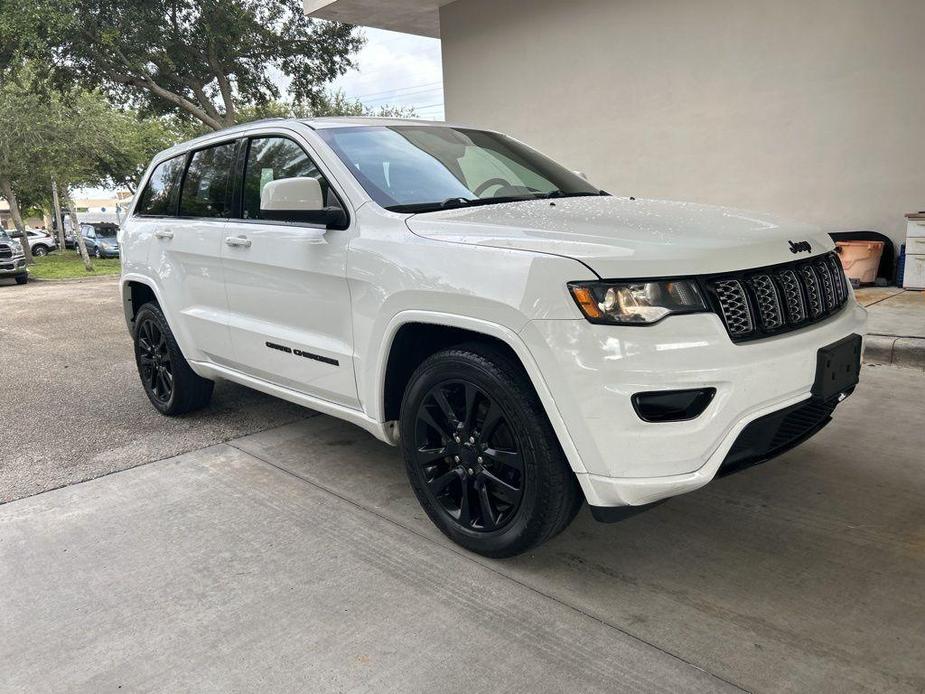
point(527, 339)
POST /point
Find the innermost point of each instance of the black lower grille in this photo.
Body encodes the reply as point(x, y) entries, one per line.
point(780, 298)
point(778, 432)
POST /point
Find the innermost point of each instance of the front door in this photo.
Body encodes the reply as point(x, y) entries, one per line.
point(289, 305)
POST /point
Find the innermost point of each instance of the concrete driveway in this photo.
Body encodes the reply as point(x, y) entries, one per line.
point(296, 559)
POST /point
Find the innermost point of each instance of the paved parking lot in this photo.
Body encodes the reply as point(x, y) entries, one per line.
point(296, 558)
point(71, 407)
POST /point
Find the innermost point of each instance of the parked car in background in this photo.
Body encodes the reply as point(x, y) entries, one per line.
point(12, 259)
point(100, 239)
point(41, 242)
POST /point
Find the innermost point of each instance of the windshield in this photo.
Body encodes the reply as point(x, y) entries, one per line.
point(421, 168)
point(3, 235)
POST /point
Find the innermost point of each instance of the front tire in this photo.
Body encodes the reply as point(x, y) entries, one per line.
point(169, 382)
point(22, 279)
point(481, 455)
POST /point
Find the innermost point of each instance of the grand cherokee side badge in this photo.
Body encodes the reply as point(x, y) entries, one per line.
point(797, 246)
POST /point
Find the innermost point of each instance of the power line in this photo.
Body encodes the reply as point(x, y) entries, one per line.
point(399, 89)
point(427, 94)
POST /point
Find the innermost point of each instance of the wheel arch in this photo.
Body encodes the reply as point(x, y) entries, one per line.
point(138, 290)
point(413, 335)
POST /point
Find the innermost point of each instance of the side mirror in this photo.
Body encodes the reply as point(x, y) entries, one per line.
point(299, 200)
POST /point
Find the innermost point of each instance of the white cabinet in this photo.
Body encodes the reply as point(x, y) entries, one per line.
point(914, 273)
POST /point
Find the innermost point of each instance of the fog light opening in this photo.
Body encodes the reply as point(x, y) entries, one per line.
point(672, 405)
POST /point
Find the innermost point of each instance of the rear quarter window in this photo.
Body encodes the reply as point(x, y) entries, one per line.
point(159, 197)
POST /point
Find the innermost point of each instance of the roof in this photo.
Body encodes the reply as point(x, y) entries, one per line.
point(356, 121)
point(315, 123)
point(420, 17)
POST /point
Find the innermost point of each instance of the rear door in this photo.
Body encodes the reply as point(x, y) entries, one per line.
point(289, 305)
point(186, 254)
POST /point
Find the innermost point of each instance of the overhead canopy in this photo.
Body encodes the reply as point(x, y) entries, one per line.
point(420, 17)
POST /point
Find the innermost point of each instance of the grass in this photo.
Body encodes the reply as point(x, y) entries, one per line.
point(60, 265)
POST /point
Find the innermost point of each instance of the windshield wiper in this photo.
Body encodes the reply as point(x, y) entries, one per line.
point(563, 194)
point(451, 203)
point(454, 203)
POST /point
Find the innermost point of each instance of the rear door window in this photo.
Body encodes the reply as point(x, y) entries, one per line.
point(159, 197)
point(207, 185)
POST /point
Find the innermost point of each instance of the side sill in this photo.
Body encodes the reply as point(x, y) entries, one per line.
point(357, 417)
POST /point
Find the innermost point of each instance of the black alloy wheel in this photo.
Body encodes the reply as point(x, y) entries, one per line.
point(154, 361)
point(469, 455)
point(481, 454)
point(169, 382)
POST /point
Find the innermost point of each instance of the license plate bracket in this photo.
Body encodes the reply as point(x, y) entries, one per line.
point(838, 367)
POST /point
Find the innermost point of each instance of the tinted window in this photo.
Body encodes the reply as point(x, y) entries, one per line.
point(159, 196)
point(423, 166)
point(272, 158)
point(207, 184)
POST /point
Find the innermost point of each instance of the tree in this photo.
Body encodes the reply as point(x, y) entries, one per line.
point(78, 140)
point(17, 136)
point(330, 103)
point(132, 141)
point(203, 58)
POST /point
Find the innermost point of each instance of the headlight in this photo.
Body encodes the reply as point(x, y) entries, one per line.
point(635, 303)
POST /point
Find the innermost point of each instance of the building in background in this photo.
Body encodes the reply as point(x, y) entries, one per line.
point(6, 219)
point(110, 208)
point(811, 110)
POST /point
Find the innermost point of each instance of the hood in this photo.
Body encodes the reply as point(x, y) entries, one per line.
point(620, 237)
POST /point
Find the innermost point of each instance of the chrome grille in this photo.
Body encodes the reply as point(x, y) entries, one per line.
point(828, 286)
point(734, 304)
point(792, 295)
point(813, 295)
point(769, 309)
point(754, 304)
point(838, 274)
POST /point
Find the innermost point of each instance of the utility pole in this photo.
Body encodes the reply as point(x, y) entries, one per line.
point(59, 219)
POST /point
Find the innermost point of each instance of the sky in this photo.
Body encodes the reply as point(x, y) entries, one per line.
point(397, 70)
point(392, 69)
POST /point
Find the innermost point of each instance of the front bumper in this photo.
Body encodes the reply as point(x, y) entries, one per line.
point(12, 267)
point(592, 372)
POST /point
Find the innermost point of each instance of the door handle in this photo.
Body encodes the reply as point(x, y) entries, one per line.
point(163, 234)
point(238, 241)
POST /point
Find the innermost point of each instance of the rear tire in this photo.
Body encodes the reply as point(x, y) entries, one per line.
point(40, 251)
point(169, 382)
point(481, 455)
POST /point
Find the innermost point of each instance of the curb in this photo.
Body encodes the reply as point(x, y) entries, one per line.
point(907, 352)
point(72, 280)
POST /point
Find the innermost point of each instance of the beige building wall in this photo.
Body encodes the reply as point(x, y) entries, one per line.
point(812, 109)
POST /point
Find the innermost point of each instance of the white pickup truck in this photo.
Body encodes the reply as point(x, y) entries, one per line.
point(529, 340)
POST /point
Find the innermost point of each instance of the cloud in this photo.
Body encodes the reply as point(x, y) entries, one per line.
point(397, 70)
